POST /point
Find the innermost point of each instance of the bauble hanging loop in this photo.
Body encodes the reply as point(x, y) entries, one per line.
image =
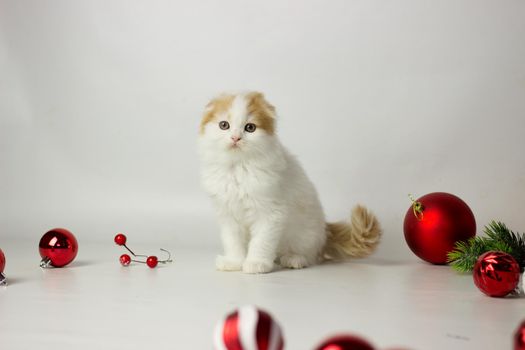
point(417, 208)
point(57, 247)
point(45, 262)
point(3, 279)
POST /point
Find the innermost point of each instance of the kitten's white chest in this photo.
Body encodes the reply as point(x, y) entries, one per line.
point(235, 182)
point(238, 189)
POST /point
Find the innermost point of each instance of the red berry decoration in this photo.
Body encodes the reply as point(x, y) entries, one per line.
point(3, 279)
point(152, 261)
point(120, 239)
point(434, 224)
point(125, 259)
point(496, 274)
point(57, 248)
point(519, 337)
point(248, 328)
point(345, 342)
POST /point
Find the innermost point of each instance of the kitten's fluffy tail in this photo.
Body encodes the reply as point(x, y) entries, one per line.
point(357, 238)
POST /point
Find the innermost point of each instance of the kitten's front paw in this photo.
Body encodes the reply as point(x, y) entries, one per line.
point(224, 263)
point(293, 261)
point(254, 266)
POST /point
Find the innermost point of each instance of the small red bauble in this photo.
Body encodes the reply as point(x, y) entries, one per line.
point(248, 328)
point(345, 342)
point(152, 261)
point(58, 248)
point(519, 337)
point(435, 223)
point(120, 239)
point(3, 279)
point(2, 261)
point(496, 273)
point(125, 259)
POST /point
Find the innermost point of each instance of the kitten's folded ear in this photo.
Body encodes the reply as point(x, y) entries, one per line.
point(258, 101)
point(222, 101)
point(262, 111)
point(219, 103)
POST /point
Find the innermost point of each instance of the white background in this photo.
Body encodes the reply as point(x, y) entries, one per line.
point(100, 103)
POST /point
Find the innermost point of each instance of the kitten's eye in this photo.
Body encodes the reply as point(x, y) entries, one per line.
point(224, 125)
point(250, 127)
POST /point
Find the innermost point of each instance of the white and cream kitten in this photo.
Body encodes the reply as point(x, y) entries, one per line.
point(268, 209)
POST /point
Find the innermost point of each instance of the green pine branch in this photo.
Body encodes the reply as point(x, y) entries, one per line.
point(497, 237)
point(498, 231)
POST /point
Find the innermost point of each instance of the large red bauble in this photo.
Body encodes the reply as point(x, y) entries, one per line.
point(59, 246)
point(496, 273)
point(519, 337)
point(2, 261)
point(345, 342)
point(444, 219)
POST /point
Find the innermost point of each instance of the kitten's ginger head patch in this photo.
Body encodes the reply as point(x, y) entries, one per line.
point(239, 110)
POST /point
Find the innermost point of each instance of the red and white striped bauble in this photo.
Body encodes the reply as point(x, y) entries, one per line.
point(248, 328)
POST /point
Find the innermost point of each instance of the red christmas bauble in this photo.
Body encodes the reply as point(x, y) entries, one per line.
point(2, 261)
point(248, 328)
point(3, 279)
point(345, 342)
point(496, 273)
point(58, 247)
point(435, 223)
point(519, 337)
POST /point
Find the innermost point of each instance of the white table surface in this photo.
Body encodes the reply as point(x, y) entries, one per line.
point(96, 303)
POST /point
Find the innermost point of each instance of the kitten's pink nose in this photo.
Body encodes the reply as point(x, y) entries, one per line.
point(236, 139)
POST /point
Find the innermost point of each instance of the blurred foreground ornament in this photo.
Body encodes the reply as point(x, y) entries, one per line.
point(248, 328)
point(345, 342)
point(3, 279)
point(57, 247)
point(519, 337)
point(496, 274)
point(151, 260)
point(434, 223)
